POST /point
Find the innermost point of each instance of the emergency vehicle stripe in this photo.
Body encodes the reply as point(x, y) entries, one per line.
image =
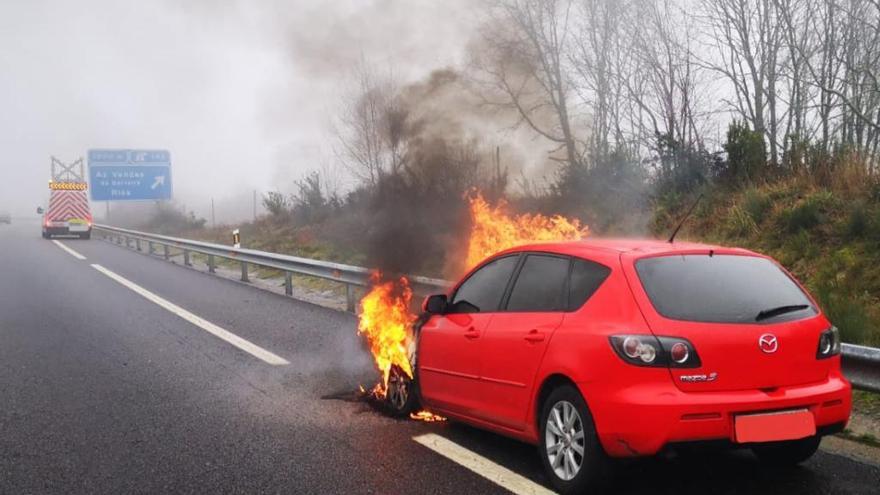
point(64, 205)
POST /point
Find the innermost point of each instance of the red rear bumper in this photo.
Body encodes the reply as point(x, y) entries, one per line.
point(642, 419)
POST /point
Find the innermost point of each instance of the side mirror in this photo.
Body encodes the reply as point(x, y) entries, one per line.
point(435, 304)
point(39, 210)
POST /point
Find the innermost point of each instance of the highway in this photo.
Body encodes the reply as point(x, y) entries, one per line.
point(121, 373)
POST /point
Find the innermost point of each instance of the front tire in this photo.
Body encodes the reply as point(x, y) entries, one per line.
point(789, 453)
point(401, 398)
point(570, 450)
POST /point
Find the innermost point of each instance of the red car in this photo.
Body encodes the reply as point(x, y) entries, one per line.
point(619, 348)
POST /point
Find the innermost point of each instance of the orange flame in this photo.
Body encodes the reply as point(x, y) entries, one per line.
point(495, 229)
point(386, 322)
point(426, 416)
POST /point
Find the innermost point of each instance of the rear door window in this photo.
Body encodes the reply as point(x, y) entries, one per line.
point(483, 290)
point(722, 289)
point(586, 277)
point(540, 285)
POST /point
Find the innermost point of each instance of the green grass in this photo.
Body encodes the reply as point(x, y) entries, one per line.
point(865, 438)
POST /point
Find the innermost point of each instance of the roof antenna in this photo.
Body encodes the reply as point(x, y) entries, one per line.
point(686, 216)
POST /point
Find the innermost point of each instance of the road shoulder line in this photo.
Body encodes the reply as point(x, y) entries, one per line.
point(69, 250)
point(493, 472)
point(229, 337)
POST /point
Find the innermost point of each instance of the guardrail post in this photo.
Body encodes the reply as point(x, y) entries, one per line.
point(211, 265)
point(349, 298)
point(244, 271)
point(186, 260)
point(137, 244)
point(127, 242)
point(288, 283)
point(150, 247)
point(165, 252)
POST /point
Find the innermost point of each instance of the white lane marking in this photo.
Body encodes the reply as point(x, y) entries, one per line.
point(198, 321)
point(484, 467)
point(70, 251)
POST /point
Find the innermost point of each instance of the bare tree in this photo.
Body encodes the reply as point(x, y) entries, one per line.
point(523, 60)
point(836, 42)
point(369, 126)
point(600, 56)
point(670, 75)
point(748, 36)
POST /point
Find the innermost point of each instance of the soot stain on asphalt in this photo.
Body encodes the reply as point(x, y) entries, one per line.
point(365, 398)
point(345, 396)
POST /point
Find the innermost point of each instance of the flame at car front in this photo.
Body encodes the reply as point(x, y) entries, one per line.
point(386, 322)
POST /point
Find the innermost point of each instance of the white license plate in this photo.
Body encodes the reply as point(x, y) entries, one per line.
point(74, 227)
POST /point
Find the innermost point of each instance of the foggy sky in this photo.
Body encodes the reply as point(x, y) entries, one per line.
point(241, 92)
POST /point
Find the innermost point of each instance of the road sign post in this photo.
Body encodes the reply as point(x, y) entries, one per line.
point(130, 175)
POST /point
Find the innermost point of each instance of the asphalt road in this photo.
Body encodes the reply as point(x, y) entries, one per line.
point(105, 391)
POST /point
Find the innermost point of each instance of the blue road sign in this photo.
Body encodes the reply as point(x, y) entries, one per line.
point(130, 175)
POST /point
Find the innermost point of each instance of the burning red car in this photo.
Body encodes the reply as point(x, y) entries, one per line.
point(600, 348)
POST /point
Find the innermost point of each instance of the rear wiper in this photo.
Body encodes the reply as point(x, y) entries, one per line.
point(780, 310)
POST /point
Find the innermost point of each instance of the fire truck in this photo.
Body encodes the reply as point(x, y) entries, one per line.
point(68, 212)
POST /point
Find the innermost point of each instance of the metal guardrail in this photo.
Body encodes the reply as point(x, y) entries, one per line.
point(348, 275)
point(861, 364)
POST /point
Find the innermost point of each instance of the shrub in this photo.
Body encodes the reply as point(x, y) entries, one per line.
point(838, 284)
point(756, 204)
point(798, 247)
point(800, 217)
point(857, 220)
point(740, 222)
point(168, 219)
point(746, 154)
point(276, 204)
point(848, 314)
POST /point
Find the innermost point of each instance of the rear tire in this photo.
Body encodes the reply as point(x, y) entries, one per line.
point(46, 235)
point(570, 450)
point(86, 236)
point(789, 453)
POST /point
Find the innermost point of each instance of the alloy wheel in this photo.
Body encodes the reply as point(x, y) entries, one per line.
point(398, 390)
point(564, 440)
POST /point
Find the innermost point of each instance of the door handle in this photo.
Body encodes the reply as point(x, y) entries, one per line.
point(471, 333)
point(534, 336)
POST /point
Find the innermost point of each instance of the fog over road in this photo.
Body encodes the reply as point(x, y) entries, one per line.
point(105, 391)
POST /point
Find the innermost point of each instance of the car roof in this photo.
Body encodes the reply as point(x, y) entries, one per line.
point(635, 246)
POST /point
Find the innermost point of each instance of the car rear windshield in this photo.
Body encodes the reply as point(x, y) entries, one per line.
point(722, 289)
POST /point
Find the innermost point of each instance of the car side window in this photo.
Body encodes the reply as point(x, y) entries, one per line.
point(482, 291)
point(586, 277)
point(540, 285)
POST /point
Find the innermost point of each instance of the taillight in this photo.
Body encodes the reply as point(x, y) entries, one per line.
point(648, 350)
point(829, 343)
point(679, 352)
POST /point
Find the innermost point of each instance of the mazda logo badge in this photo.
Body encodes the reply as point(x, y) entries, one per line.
point(768, 343)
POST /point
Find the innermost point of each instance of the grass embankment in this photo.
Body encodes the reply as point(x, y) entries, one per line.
point(267, 234)
point(828, 237)
point(280, 236)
